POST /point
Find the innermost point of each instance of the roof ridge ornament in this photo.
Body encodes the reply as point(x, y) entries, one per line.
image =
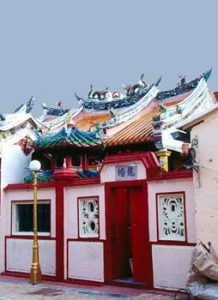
point(118, 117)
point(27, 107)
point(105, 99)
point(184, 86)
point(59, 111)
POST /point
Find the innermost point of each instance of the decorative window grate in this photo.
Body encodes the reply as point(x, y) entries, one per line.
point(171, 218)
point(88, 217)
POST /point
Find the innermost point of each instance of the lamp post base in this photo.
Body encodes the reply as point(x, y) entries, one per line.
point(35, 274)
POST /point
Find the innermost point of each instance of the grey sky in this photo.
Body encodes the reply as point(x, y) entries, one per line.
point(51, 49)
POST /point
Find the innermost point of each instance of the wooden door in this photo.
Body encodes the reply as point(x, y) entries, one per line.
point(138, 235)
point(119, 233)
point(128, 234)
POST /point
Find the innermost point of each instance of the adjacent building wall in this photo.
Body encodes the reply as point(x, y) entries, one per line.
point(206, 180)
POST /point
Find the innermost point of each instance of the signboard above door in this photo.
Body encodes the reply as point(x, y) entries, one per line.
point(126, 172)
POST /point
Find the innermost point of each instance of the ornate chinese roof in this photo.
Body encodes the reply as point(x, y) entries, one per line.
point(119, 117)
point(137, 121)
point(159, 117)
point(20, 115)
point(138, 131)
point(70, 137)
point(85, 119)
point(18, 125)
point(199, 99)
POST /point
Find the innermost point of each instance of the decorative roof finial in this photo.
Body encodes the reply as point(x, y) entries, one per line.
point(29, 104)
point(27, 107)
point(60, 104)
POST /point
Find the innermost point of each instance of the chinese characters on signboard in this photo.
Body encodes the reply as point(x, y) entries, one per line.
point(126, 172)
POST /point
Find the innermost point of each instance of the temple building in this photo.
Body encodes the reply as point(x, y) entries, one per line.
point(115, 191)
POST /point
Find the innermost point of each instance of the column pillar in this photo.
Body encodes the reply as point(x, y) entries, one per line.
point(163, 155)
point(59, 189)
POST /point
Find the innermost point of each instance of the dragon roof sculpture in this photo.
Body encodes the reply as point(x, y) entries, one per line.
point(105, 100)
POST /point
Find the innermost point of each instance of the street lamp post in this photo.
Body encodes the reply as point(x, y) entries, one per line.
point(35, 273)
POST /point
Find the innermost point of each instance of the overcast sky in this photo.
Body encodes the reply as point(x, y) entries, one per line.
point(51, 49)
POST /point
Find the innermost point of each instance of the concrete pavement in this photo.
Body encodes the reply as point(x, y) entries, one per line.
point(21, 289)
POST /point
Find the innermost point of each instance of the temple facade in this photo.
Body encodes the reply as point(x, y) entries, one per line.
point(115, 190)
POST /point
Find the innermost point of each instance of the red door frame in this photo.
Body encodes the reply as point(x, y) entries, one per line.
point(108, 214)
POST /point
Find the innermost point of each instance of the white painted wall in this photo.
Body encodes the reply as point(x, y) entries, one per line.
point(22, 195)
point(170, 266)
point(86, 261)
point(19, 256)
point(14, 163)
point(206, 194)
point(166, 186)
point(171, 263)
point(108, 171)
point(71, 195)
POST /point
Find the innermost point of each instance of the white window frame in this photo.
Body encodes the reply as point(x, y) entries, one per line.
point(15, 219)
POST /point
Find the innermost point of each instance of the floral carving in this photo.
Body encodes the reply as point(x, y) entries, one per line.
point(171, 217)
point(26, 145)
point(89, 226)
